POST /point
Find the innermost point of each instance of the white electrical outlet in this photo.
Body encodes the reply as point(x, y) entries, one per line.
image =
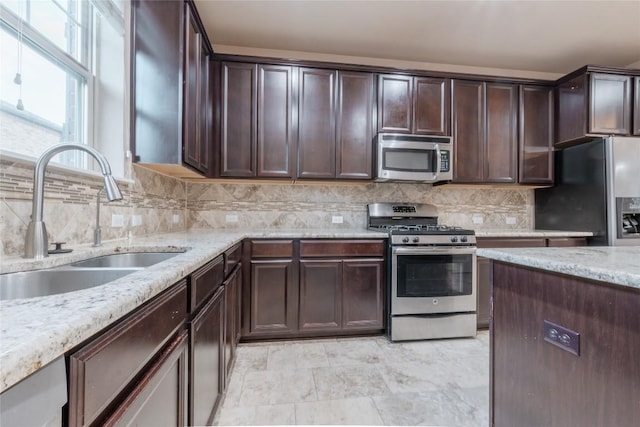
point(511, 220)
point(337, 219)
point(175, 218)
point(231, 218)
point(117, 220)
point(477, 219)
point(136, 220)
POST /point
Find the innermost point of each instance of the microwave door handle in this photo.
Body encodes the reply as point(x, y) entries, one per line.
point(438, 162)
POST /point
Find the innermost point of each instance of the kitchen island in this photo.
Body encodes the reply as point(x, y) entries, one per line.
point(565, 336)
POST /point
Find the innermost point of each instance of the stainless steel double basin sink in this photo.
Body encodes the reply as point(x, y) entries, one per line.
point(78, 275)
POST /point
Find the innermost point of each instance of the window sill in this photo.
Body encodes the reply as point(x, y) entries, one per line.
point(58, 168)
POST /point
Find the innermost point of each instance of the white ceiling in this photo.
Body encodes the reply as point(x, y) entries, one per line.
point(536, 36)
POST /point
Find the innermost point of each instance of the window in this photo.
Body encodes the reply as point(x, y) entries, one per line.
point(63, 78)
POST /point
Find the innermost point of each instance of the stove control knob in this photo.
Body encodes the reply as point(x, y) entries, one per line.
point(416, 239)
point(405, 240)
point(463, 239)
point(454, 239)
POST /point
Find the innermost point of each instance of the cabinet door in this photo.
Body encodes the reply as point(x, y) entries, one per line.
point(191, 91)
point(431, 106)
point(536, 135)
point(501, 141)
point(160, 396)
point(275, 116)
point(610, 107)
point(230, 326)
point(103, 368)
point(206, 113)
point(157, 99)
point(196, 97)
point(571, 111)
point(354, 140)
point(395, 103)
point(206, 374)
point(316, 123)
point(636, 106)
point(273, 298)
point(468, 130)
point(320, 295)
point(363, 294)
point(238, 120)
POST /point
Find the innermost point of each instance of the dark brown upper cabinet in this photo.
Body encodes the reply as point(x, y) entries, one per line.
point(335, 124)
point(171, 103)
point(275, 121)
point(468, 129)
point(355, 125)
point(238, 146)
point(636, 106)
point(501, 150)
point(196, 96)
point(536, 135)
point(316, 123)
point(502, 133)
point(417, 105)
point(593, 103)
point(256, 137)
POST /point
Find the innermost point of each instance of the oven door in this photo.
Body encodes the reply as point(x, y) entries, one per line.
point(433, 280)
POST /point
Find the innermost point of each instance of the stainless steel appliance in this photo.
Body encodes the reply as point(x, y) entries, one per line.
point(596, 189)
point(414, 158)
point(432, 277)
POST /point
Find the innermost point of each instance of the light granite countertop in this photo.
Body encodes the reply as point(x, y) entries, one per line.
point(619, 265)
point(531, 233)
point(36, 331)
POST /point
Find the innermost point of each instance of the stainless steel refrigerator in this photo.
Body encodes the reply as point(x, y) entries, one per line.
point(597, 189)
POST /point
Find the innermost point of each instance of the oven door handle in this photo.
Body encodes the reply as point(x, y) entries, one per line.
point(433, 251)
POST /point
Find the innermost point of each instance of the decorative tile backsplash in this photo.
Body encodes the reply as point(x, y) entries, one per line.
point(70, 206)
point(165, 204)
point(235, 206)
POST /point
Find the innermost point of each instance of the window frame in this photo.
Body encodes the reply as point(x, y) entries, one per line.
point(84, 72)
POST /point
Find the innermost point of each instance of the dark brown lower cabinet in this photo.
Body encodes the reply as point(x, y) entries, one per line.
point(341, 295)
point(485, 279)
point(320, 295)
point(206, 382)
point(536, 383)
point(363, 294)
point(232, 316)
point(273, 298)
point(160, 396)
point(328, 287)
point(101, 371)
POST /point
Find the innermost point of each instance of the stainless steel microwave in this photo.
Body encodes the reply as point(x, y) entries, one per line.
point(414, 158)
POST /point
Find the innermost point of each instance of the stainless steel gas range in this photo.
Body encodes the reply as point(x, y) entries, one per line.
point(432, 275)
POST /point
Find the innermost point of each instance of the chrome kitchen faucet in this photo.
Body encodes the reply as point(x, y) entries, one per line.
point(36, 241)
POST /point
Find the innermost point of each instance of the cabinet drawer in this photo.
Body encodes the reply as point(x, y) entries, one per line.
point(232, 258)
point(529, 242)
point(160, 397)
point(272, 249)
point(205, 281)
point(103, 368)
point(562, 242)
point(341, 248)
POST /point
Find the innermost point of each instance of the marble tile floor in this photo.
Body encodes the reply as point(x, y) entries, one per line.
point(360, 381)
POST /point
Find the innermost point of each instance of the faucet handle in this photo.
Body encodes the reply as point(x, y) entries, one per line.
point(58, 248)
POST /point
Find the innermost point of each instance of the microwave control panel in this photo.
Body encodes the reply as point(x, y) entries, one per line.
point(444, 161)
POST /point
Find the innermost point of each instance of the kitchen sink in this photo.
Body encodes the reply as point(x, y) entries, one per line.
point(38, 283)
point(127, 260)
